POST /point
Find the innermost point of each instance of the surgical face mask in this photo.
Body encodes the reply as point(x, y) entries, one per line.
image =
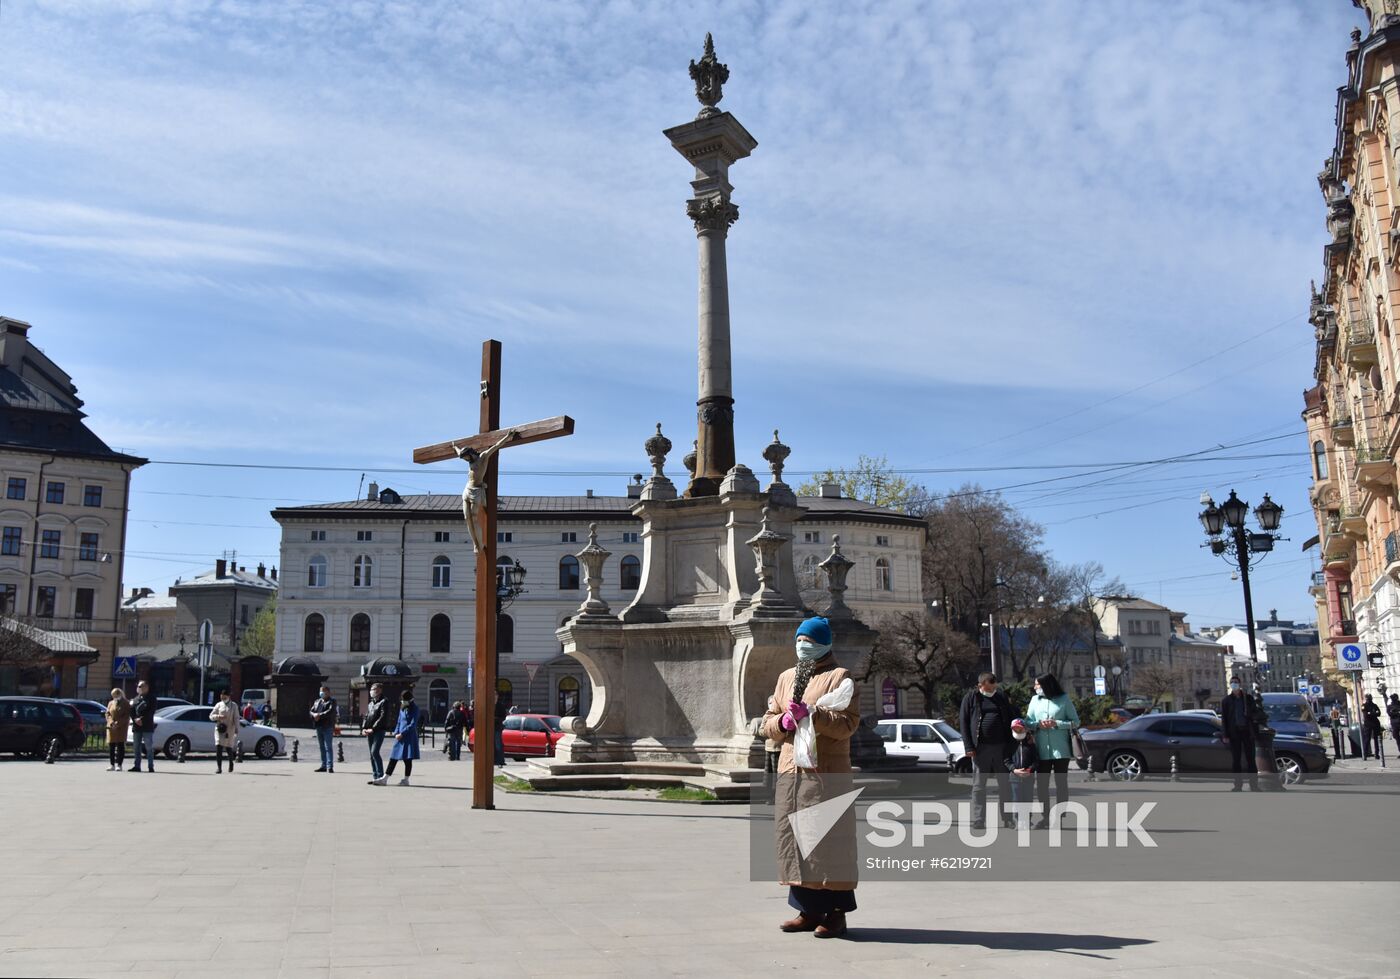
point(1234, 686)
point(1019, 735)
point(810, 652)
point(1039, 692)
point(325, 694)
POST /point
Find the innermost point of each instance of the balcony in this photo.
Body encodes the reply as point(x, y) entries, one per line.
point(1361, 345)
point(1343, 630)
point(1375, 469)
point(1342, 431)
point(1353, 523)
point(1336, 545)
point(1392, 555)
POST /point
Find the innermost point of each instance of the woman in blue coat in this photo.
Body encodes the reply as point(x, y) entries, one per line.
point(405, 738)
point(1051, 715)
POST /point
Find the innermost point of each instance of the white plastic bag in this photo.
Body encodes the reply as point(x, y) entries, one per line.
point(804, 743)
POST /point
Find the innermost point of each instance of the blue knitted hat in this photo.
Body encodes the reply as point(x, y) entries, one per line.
point(817, 629)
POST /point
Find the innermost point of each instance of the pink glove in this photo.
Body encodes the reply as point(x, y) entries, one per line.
point(787, 723)
point(798, 710)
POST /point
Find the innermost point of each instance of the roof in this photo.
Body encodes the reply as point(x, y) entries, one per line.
point(1138, 604)
point(210, 579)
point(60, 643)
point(430, 506)
point(149, 603)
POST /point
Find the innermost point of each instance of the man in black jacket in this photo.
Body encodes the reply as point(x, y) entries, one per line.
point(323, 717)
point(1237, 715)
point(143, 727)
point(985, 721)
point(376, 725)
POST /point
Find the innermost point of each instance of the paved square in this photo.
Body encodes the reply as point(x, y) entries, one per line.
point(279, 871)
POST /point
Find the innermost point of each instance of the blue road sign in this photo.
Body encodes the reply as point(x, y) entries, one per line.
point(1351, 656)
point(1315, 690)
point(124, 667)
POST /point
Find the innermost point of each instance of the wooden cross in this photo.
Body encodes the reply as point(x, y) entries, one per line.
point(483, 758)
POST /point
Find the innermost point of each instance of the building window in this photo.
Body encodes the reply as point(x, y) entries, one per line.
point(16, 488)
point(45, 601)
point(53, 493)
point(318, 535)
point(1320, 459)
point(442, 537)
point(884, 581)
point(629, 537)
point(505, 634)
point(49, 543)
point(313, 634)
point(82, 603)
point(364, 571)
point(881, 541)
point(9, 597)
point(440, 634)
point(568, 537)
point(359, 633)
point(92, 496)
point(87, 547)
point(811, 536)
point(146, 633)
point(160, 631)
point(364, 535)
point(442, 572)
point(568, 573)
point(316, 572)
point(504, 537)
point(243, 615)
point(568, 696)
point(10, 543)
point(631, 573)
point(807, 577)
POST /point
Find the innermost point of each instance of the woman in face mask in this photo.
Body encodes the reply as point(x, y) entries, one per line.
point(812, 714)
point(1051, 715)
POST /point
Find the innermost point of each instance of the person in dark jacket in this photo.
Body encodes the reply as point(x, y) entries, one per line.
point(323, 717)
point(985, 720)
point(143, 727)
point(1370, 728)
point(452, 728)
point(1024, 762)
point(1237, 715)
point(375, 727)
point(1392, 710)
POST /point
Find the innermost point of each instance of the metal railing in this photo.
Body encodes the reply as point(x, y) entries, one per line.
point(1392, 547)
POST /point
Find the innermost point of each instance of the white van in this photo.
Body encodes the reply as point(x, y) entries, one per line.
point(936, 743)
point(257, 696)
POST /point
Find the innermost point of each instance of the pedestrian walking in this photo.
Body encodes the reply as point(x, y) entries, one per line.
point(375, 727)
point(323, 714)
point(1052, 718)
point(813, 713)
point(452, 727)
point(225, 716)
point(118, 721)
point(1370, 728)
point(503, 709)
point(1237, 716)
point(143, 727)
point(249, 714)
point(1392, 710)
point(985, 720)
point(1023, 762)
point(1335, 720)
point(405, 738)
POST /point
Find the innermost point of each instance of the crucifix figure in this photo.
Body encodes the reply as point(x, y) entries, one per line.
point(474, 494)
point(479, 509)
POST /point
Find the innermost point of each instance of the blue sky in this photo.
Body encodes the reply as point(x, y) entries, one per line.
point(972, 235)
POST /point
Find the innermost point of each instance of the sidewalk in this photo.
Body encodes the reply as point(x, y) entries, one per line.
point(281, 871)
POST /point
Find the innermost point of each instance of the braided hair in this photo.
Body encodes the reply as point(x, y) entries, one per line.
point(802, 677)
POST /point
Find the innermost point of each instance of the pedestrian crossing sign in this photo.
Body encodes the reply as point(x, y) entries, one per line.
point(124, 667)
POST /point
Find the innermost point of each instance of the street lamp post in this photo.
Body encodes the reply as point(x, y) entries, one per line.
point(1227, 538)
point(510, 585)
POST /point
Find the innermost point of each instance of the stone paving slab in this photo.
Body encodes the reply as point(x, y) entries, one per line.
point(280, 871)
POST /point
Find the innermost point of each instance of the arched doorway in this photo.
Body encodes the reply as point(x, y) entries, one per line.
point(437, 700)
point(568, 696)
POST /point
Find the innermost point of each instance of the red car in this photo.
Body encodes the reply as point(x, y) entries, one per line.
point(526, 734)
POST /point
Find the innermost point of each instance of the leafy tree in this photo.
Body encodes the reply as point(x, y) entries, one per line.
point(1092, 710)
point(871, 479)
point(260, 638)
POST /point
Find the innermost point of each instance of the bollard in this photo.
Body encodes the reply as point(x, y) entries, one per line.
point(295, 744)
point(340, 751)
point(180, 752)
point(51, 755)
point(1174, 768)
point(239, 744)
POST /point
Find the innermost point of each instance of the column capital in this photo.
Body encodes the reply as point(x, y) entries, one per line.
point(714, 213)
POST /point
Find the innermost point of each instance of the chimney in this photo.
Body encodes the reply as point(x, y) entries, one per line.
point(242, 570)
point(136, 593)
point(589, 493)
point(170, 592)
point(14, 341)
point(373, 492)
point(634, 488)
point(831, 491)
point(1273, 616)
point(220, 568)
point(274, 574)
point(262, 570)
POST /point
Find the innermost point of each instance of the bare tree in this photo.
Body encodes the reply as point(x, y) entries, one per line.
point(18, 650)
point(924, 653)
point(1156, 680)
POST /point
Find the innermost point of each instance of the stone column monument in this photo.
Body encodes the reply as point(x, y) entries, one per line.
point(679, 674)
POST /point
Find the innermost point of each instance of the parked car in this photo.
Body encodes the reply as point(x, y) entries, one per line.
point(1290, 713)
point(1145, 745)
point(526, 734)
point(32, 725)
point(164, 702)
point(94, 714)
point(190, 724)
point(1205, 711)
point(935, 742)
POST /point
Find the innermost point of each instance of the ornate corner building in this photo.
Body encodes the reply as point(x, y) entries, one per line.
point(1353, 410)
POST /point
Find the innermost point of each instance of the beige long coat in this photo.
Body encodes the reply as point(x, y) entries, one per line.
point(118, 720)
point(225, 712)
point(832, 865)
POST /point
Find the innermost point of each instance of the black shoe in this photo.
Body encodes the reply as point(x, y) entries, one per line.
point(1237, 788)
point(330, 771)
point(136, 769)
point(321, 769)
point(979, 824)
point(218, 771)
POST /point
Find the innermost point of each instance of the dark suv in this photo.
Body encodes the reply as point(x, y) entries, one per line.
point(29, 725)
